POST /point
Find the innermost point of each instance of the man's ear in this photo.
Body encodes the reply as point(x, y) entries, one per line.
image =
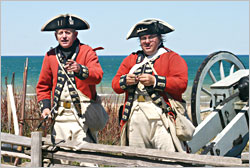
point(76, 33)
point(56, 36)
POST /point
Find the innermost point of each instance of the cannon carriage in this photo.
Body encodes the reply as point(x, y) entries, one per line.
point(222, 128)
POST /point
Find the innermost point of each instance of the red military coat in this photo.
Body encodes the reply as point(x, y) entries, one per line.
point(48, 76)
point(170, 65)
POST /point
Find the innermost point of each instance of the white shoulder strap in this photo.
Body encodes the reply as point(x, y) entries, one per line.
point(136, 66)
point(86, 98)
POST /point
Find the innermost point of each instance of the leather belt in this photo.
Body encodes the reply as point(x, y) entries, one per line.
point(66, 104)
point(143, 98)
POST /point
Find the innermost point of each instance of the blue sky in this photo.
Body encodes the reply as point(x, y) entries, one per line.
point(202, 27)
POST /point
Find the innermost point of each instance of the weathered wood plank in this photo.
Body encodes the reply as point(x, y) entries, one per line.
point(153, 154)
point(15, 139)
point(13, 108)
point(36, 151)
point(121, 155)
point(111, 160)
point(15, 154)
point(7, 165)
point(64, 165)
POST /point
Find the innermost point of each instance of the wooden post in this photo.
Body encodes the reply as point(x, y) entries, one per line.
point(36, 149)
point(6, 81)
point(13, 82)
point(21, 121)
point(9, 111)
point(23, 97)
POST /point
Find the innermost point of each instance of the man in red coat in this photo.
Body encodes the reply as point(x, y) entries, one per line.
point(145, 77)
point(84, 72)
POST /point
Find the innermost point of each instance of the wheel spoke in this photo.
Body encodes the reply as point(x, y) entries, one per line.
point(211, 74)
point(206, 91)
point(222, 74)
point(232, 69)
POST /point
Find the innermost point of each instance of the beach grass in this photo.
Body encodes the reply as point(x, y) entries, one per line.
point(110, 135)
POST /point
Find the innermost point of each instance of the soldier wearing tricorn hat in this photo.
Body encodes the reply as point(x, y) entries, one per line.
point(69, 66)
point(145, 77)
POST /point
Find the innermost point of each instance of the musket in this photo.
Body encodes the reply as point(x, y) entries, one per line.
point(45, 118)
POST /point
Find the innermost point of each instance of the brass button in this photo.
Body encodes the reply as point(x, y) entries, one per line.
point(67, 105)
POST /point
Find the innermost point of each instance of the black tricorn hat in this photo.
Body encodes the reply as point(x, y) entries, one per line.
point(65, 21)
point(149, 26)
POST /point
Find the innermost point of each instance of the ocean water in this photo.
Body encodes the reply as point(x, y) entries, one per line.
point(110, 65)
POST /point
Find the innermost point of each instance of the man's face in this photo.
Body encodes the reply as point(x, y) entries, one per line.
point(150, 43)
point(66, 37)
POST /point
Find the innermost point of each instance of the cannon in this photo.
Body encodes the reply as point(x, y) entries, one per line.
point(222, 128)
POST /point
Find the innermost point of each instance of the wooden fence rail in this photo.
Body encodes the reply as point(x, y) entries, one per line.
point(35, 143)
point(112, 155)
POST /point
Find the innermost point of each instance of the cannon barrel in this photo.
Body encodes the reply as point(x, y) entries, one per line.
point(243, 86)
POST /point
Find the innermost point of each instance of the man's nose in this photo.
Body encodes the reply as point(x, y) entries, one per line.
point(147, 40)
point(64, 35)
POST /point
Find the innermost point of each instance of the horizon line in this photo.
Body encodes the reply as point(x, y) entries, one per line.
point(113, 55)
point(119, 55)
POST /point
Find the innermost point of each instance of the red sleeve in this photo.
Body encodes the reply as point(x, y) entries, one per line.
point(177, 78)
point(44, 85)
point(124, 68)
point(90, 60)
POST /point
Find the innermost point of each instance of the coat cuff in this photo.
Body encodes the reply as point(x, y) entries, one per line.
point(122, 82)
point(83, 73)
point(43, 104)
point(160, 83)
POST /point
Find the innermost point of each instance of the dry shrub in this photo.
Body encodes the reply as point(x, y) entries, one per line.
point(4, 113)
point(31, 114)
point(111, 133)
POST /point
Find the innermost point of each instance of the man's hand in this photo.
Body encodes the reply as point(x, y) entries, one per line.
point(131, 79)
point(72, 65)
point(147, 79)
point(46, 112)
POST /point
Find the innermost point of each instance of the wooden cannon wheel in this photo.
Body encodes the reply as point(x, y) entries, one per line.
point(227, 63)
